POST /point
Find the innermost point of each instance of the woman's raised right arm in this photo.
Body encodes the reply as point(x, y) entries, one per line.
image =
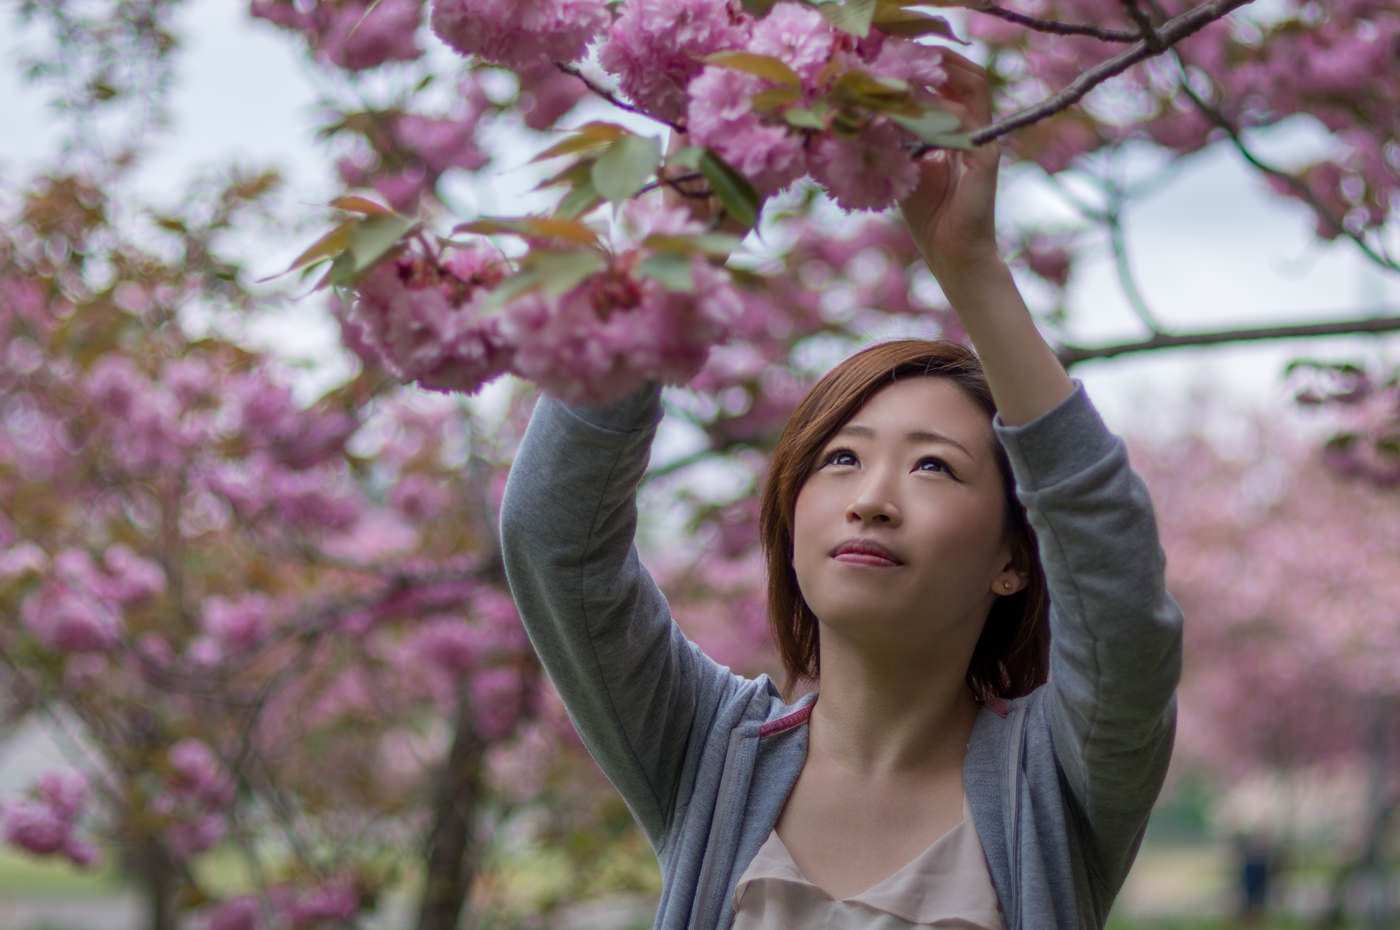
point(634, 686)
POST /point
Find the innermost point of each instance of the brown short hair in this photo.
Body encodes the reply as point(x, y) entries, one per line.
point(1012, 655)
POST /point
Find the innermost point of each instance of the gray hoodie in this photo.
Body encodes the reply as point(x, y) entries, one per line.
point(1060, 782)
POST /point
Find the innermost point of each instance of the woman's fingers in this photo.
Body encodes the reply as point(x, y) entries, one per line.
point(967, 85)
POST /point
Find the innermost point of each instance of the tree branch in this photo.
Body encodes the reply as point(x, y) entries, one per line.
point(1145, 28)
point(1072, 354)
point(612, 98)
point(1113, 221)
point(1169, 33)
point(1295, 183)
point(1054, 27)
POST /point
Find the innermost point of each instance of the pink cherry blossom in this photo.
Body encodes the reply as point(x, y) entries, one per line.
point(867, 172)
point(131, 578)
point(355, 35)
point(199, 774)
point(655, 47)
point(721, 117)
point(921, 66)
point(334, 901)
point(191, 837)
point(546, 94)
point(65, 790)
point(425, 320)
point(238, 623)
point(616, 330)
point(520, 33)
point(35, 826)
point(442, 142)
point(241, 913)
point(24, 558)
point(68, 620)
point(496, 701)
point(798, 35)
point(419, 497)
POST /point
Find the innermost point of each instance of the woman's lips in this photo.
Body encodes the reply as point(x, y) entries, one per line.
point(864, 558)
point(864, 552)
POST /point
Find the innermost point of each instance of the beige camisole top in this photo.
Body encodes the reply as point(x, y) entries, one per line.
point(947, 885)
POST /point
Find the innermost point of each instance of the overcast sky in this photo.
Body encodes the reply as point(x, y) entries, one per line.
point(1211, 249)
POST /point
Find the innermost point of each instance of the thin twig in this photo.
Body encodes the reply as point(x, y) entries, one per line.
point(1146, 30)
point(1072, 354)
point(1297, 185)
point(1170, 33)
point(1054, 27)
point(1113, 221)
point(673, 182)
point(612, 98)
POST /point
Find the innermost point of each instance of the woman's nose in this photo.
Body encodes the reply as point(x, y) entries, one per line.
point(874, 504)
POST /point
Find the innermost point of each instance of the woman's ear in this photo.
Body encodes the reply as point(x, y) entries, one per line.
point(1010, 580)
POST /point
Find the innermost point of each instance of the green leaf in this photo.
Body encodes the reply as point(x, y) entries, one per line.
point(580, 199)
point(856, 87)
point(774, 97)
point(705, 243)
point(852, 16)
point(803, 118)
point(930, 126)
point(522, 282)
point(758, 8)
point(625, 167)
point(673, 271)
point(895, 20)
point(533, 227)
point(733, 189)
point(688, 157)
point(954, 140)
point(587, 137)
point(357, 204)
point(374, 237)
point(562, 271)
point(332, 243)
point(341, 272)
point(570, 176)
point(765, 66)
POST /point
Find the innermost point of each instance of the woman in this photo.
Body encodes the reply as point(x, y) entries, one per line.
point(933, 777)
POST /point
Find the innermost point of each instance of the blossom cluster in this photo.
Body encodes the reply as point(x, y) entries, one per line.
point(327, 903)
point(431, 319)
point(353, 34)
point(47, 822)
point(405, 153)
point(196, 798)
point(423, 318)
point(78, 606)
point(657, 50)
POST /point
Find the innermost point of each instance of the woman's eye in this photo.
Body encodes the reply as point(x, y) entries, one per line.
point(840, 457)
point(933, 464)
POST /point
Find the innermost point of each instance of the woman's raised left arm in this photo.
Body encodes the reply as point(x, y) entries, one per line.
point(1116, 633)
point(952, 217)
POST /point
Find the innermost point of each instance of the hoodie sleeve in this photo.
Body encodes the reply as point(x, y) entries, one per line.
point(1115, 653)
point(634, 686)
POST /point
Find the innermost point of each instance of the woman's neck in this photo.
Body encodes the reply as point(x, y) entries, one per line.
point(890, 718)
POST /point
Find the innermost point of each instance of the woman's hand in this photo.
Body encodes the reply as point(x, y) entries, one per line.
point(952, 212)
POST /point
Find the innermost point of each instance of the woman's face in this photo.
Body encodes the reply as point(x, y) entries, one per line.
point(899, 532)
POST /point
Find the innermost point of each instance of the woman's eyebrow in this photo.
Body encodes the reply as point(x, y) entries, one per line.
point(917, 435)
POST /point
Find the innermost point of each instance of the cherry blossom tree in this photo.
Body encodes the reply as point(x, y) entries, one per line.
point(1284, 565)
